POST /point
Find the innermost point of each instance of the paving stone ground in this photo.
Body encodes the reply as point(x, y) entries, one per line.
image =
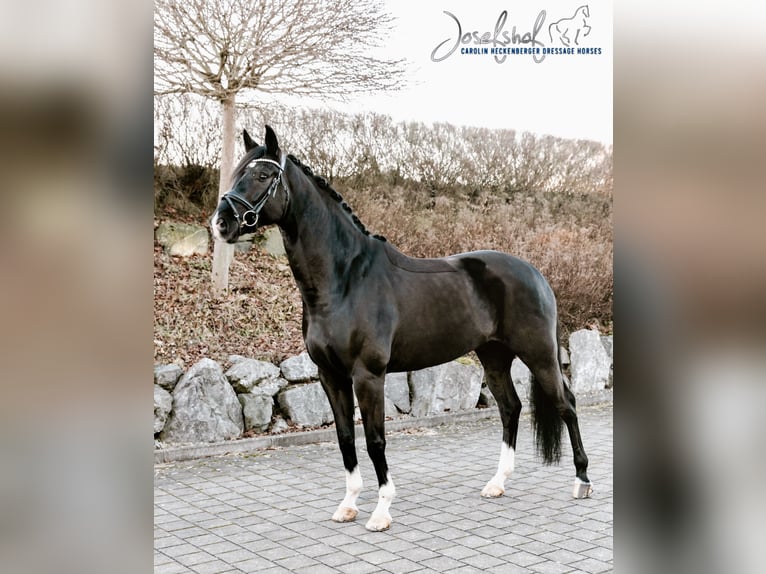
point(269, 511)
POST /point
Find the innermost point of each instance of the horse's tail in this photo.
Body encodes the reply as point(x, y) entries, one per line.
point(550, 31)
point(546, 420)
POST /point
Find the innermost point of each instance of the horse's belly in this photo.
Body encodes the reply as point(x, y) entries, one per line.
point(424, 345)
point(440, 318)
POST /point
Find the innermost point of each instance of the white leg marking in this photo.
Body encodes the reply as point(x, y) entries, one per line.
point(381, 519)
point(496, 486)
point(582, 489)
point(347, 509)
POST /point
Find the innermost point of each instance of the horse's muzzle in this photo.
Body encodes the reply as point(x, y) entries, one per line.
point(221, 229)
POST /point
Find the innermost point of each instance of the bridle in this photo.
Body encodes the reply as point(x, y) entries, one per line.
point(250, 217)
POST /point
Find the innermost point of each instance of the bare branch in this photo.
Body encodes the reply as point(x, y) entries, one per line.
point(217, 48)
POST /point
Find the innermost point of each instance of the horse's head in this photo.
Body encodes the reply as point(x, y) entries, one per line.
point(253, 199)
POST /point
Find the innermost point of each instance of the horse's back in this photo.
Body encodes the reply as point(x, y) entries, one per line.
point(417, 264)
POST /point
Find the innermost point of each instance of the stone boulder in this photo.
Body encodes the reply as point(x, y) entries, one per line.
point(522, 378)
point(183, 239)
point(273, 243)
point(590, 362)
point(299, 369)
point(257, 408)
point(397, 390)
point(163, 403)
point(280, 425)
point(271, 386)
point(608, 342)
point(205, 407)
point(448, 387)
point(306, 405)
point(245, 374)
point(167, 376)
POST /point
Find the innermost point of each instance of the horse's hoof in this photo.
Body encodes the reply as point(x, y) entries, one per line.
point(345, 514)
point(582, 489)
point(492, 491)
point(378, 523)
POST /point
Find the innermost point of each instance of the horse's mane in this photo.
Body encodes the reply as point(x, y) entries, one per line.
point(327, 188)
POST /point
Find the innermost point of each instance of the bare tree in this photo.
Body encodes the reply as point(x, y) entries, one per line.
point(222, 48)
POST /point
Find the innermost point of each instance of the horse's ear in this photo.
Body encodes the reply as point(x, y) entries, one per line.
point(249, 142)
point(272, 146)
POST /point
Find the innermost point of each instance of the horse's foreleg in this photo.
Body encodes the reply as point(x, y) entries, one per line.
point(369, 392)
point(339, 393)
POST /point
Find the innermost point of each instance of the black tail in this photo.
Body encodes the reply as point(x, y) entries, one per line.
point(546, 420)
point(547, 424)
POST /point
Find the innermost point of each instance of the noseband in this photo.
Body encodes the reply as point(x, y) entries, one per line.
point(250, 217)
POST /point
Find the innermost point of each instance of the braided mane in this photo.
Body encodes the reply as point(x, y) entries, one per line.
point(325, 186)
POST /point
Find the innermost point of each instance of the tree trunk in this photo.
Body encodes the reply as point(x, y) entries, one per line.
point(223, 253)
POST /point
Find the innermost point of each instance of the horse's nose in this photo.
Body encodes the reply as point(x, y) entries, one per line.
point(219, 226)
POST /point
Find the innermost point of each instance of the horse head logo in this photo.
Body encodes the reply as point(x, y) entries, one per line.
point(569, 30)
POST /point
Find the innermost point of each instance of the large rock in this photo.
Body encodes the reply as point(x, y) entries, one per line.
point(590, 362)
point(183, 239)
point(163, 403)
point(299, 368)
point(306, 405)
point(205, 407)
point(273, 243)
point(167, 376)
point(448, 387)
point(247, 373)
point(397, 389)
point(271, 386)
point(608, 342)
point(521, 377)
point(257, 408)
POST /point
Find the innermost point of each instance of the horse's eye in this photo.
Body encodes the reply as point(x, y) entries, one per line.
point(262, 177)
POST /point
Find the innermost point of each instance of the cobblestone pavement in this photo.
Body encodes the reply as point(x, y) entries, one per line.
point(269, 511)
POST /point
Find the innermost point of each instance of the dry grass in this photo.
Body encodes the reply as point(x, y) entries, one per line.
point(260, 316)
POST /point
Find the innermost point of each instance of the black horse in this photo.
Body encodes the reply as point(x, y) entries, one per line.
point(369, 310)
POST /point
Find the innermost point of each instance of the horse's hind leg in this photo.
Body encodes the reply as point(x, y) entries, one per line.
point(339, 393)
point(497, 373)
point(582, 487)
point(552, 399)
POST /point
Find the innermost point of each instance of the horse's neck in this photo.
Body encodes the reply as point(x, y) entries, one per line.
point(320, 243)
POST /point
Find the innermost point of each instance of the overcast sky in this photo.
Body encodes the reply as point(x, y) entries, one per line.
point(564, 95)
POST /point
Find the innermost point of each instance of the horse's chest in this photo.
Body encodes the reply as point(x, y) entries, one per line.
point(341, 341)
point(324, 343)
